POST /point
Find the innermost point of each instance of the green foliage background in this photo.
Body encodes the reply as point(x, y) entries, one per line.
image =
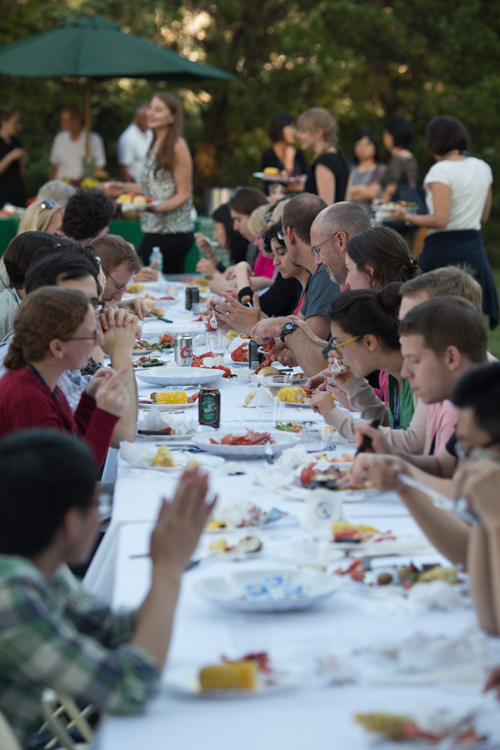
point(364, 60)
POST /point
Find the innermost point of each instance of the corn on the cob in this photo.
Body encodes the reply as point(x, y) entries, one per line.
point(340, 526)
point(391, 725)
point(164, 457)
point(241, 676)
point(449, 575)
point(292, 395)
point(172, 397)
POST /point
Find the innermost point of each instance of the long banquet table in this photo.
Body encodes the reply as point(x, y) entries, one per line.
point(320, 717)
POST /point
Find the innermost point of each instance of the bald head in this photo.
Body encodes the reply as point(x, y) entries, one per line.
point(334, 227)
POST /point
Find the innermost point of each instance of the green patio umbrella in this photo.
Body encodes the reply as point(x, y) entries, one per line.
point(95, 47)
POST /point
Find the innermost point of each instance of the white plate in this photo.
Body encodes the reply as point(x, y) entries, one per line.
point(404, 544)
point(168, 407)
point(183, 457)
point(168, 439)
point(273, 178)
point(185, 682)
point(158, 327)
point(283, 441)
point(229, 593)
point(160, 376)
point(306, 404)
point(127, 207)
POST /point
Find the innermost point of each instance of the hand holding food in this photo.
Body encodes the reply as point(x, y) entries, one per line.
point(323, 403)
point(148, 273)
point(181, 522)
point(384, 471)
point(379, 444)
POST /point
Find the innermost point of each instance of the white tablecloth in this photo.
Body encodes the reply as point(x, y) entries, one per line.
point(319, 718)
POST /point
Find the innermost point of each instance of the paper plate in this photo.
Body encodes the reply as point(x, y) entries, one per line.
point(283, 441)
point(229, 591)
point(160, 376)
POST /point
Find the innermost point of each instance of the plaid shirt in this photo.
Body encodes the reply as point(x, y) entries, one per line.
point(54, 634)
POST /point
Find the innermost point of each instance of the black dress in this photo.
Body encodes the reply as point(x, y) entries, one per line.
point(11, 182)
point(336, 163)
point(270, 159)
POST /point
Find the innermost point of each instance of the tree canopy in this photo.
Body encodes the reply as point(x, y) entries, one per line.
point(364, 60)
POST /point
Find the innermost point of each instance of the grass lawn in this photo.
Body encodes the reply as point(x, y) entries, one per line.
point(494, 346)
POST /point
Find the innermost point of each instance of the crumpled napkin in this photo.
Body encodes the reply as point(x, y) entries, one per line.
point(273, 477)
point(262, 396)
point(294, 457)
point(137, 454)
point(231, 467)
point(154, 419)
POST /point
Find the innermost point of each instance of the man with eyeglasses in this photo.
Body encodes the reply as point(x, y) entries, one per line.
point(119, 262)
point(330, 230)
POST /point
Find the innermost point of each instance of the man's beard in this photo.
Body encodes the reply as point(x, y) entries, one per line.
point(335, 276)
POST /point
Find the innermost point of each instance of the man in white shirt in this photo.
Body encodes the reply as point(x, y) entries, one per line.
point(68, 147)
point(134, 143)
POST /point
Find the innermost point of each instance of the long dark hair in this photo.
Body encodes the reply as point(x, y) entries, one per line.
point(386, 252)
point(369, 311)
point(166, 155)
point(235, 242)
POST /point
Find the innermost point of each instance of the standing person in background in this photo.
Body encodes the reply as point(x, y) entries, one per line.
point(458, 195)
point(283, 154)
point(402, 165)
point(167, 176)
point(367, 172)
point(329, 172)
point(134, 143)
point(42, 216)
point(13, 159)
point(68, 147)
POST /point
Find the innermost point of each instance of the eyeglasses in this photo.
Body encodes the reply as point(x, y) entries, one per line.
point(49, 203)
point(315, 248)
point(463, 454)
point(84, 338)
point(335, 347)
point(119, 287)
point(97, 305)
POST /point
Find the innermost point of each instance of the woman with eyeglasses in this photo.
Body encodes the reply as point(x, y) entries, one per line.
point(365, 337)
point(42, 216)
point(56, 330)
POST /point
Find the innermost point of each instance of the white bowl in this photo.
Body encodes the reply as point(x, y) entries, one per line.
point(160, 376)
point(283, 440)
point(229, 591)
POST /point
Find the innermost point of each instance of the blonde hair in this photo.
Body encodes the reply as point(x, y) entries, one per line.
point(257, 219)
point(46, 314)
point(449, 281)
point(36, 220)
point(278, 211)
point(318, 118)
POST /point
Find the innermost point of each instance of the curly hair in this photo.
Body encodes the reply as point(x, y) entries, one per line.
point(88, 212)
point(46, 314)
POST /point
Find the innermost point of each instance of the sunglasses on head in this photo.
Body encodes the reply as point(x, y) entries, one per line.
point(49, 203)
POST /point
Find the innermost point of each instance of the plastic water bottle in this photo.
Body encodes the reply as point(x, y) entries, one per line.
point(157, 257)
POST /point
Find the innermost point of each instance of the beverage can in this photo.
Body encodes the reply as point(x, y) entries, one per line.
point(209, 406)
point(255, 358)
point(183, 349)
point(192, 297)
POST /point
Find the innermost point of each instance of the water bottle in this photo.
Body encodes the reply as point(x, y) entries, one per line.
point(158, 257)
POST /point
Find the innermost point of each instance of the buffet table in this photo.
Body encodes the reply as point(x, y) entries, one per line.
point(316, 716)
point(128, 229)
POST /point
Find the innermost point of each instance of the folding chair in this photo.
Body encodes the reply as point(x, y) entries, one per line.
point(61, 715)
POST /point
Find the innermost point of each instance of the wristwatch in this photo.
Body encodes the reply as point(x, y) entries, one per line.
point(289, 327)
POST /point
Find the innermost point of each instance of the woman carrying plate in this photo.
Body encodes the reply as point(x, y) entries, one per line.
point(282, 155)
point(329, 172)
point(458, 194)
point(167, 177)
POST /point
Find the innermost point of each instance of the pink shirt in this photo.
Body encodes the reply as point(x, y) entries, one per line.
point(442, 418)
point(264, 266)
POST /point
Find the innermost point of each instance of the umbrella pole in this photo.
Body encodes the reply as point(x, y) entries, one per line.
point(88, 114)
